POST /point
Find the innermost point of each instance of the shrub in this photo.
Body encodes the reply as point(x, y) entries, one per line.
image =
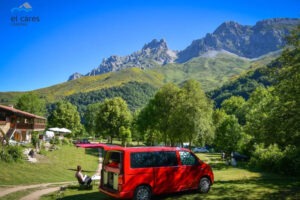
point(35, 138)
point(274, 159)
point(55, 140)
point(11, 154)
point(65, 141)
point(269, 158)
point(291, 161)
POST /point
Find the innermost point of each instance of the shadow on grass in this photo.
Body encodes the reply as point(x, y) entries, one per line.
point(75, 193)
point(87, 196)
point(219, 166)
point(92, 151)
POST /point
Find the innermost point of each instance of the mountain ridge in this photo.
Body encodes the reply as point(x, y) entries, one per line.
point(243, 40)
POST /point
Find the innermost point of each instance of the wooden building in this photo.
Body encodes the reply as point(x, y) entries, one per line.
point(18, 125)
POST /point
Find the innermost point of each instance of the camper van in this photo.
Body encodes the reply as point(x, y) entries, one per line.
point(141, 172)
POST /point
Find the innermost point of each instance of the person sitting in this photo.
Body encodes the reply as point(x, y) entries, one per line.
point(31, 153)
point(82, 179)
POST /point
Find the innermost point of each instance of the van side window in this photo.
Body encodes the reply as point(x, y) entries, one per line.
point(187, 158)
point(142, 159)
point(166, 158)
point(153, 159)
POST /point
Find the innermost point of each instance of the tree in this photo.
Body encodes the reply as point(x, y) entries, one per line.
point(135, 133)
point(177, 115)
point(90, 119)
point(260, 107)
point(125, 135)
point(112, 115)
point(65, 115)
point(157, 115)
point(30, 102)
point(235, 106)
point(192, 119)
point(228, 132)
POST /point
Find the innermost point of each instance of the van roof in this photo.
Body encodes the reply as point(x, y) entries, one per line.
point(108, 147)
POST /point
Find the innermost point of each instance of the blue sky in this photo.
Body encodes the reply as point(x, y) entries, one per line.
point(68, 36)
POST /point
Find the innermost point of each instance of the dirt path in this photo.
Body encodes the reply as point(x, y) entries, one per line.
point(39, 193)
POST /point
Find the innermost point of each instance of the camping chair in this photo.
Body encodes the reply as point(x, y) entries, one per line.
point(84, 185)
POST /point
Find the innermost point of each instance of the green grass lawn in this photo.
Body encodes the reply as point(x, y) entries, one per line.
point(230, 182)
point(55, 166)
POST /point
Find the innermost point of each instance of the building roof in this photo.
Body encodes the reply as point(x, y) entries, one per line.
point(20, 112)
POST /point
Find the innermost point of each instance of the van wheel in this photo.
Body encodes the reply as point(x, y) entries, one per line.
point(142, 192)
point(204, 185)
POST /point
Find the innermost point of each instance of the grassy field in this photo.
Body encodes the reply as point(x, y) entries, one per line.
point(230, 182)
point(55, 166)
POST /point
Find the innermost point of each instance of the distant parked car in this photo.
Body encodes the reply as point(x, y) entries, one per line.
point(200, 150)
point(82, 141)
point(239, 157)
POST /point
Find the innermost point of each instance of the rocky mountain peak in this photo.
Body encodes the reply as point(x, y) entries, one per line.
point(152, 54)
point(230, 28)
point(156, 44)
point(245, 41)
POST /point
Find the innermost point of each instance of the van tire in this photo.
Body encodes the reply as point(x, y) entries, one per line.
point(204, 185)
point(142, 192)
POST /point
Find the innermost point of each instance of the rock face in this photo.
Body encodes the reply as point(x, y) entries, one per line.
point(245, 41)
point(152, 54)
point(75, 76)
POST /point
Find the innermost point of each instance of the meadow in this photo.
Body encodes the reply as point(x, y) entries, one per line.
point(239, 182)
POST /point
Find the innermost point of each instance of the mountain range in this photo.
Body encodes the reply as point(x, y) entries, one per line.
point(218, 58)
point(242, 40)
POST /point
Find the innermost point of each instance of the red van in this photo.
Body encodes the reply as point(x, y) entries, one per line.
point(140, 172)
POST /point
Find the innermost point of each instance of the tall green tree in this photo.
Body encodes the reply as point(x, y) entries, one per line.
point(235, 105)
point(228, 132)
point(32, 103)
point(112, 115)
point(192, 119)
point(157, 115)
point(178, 115)
point(90, 119)
point(125, 135)
point(135, 133)
point(65, 115)
point(260, 108)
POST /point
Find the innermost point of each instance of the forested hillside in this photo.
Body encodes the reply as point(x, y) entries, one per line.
point(134, 93)
point(245, 84)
